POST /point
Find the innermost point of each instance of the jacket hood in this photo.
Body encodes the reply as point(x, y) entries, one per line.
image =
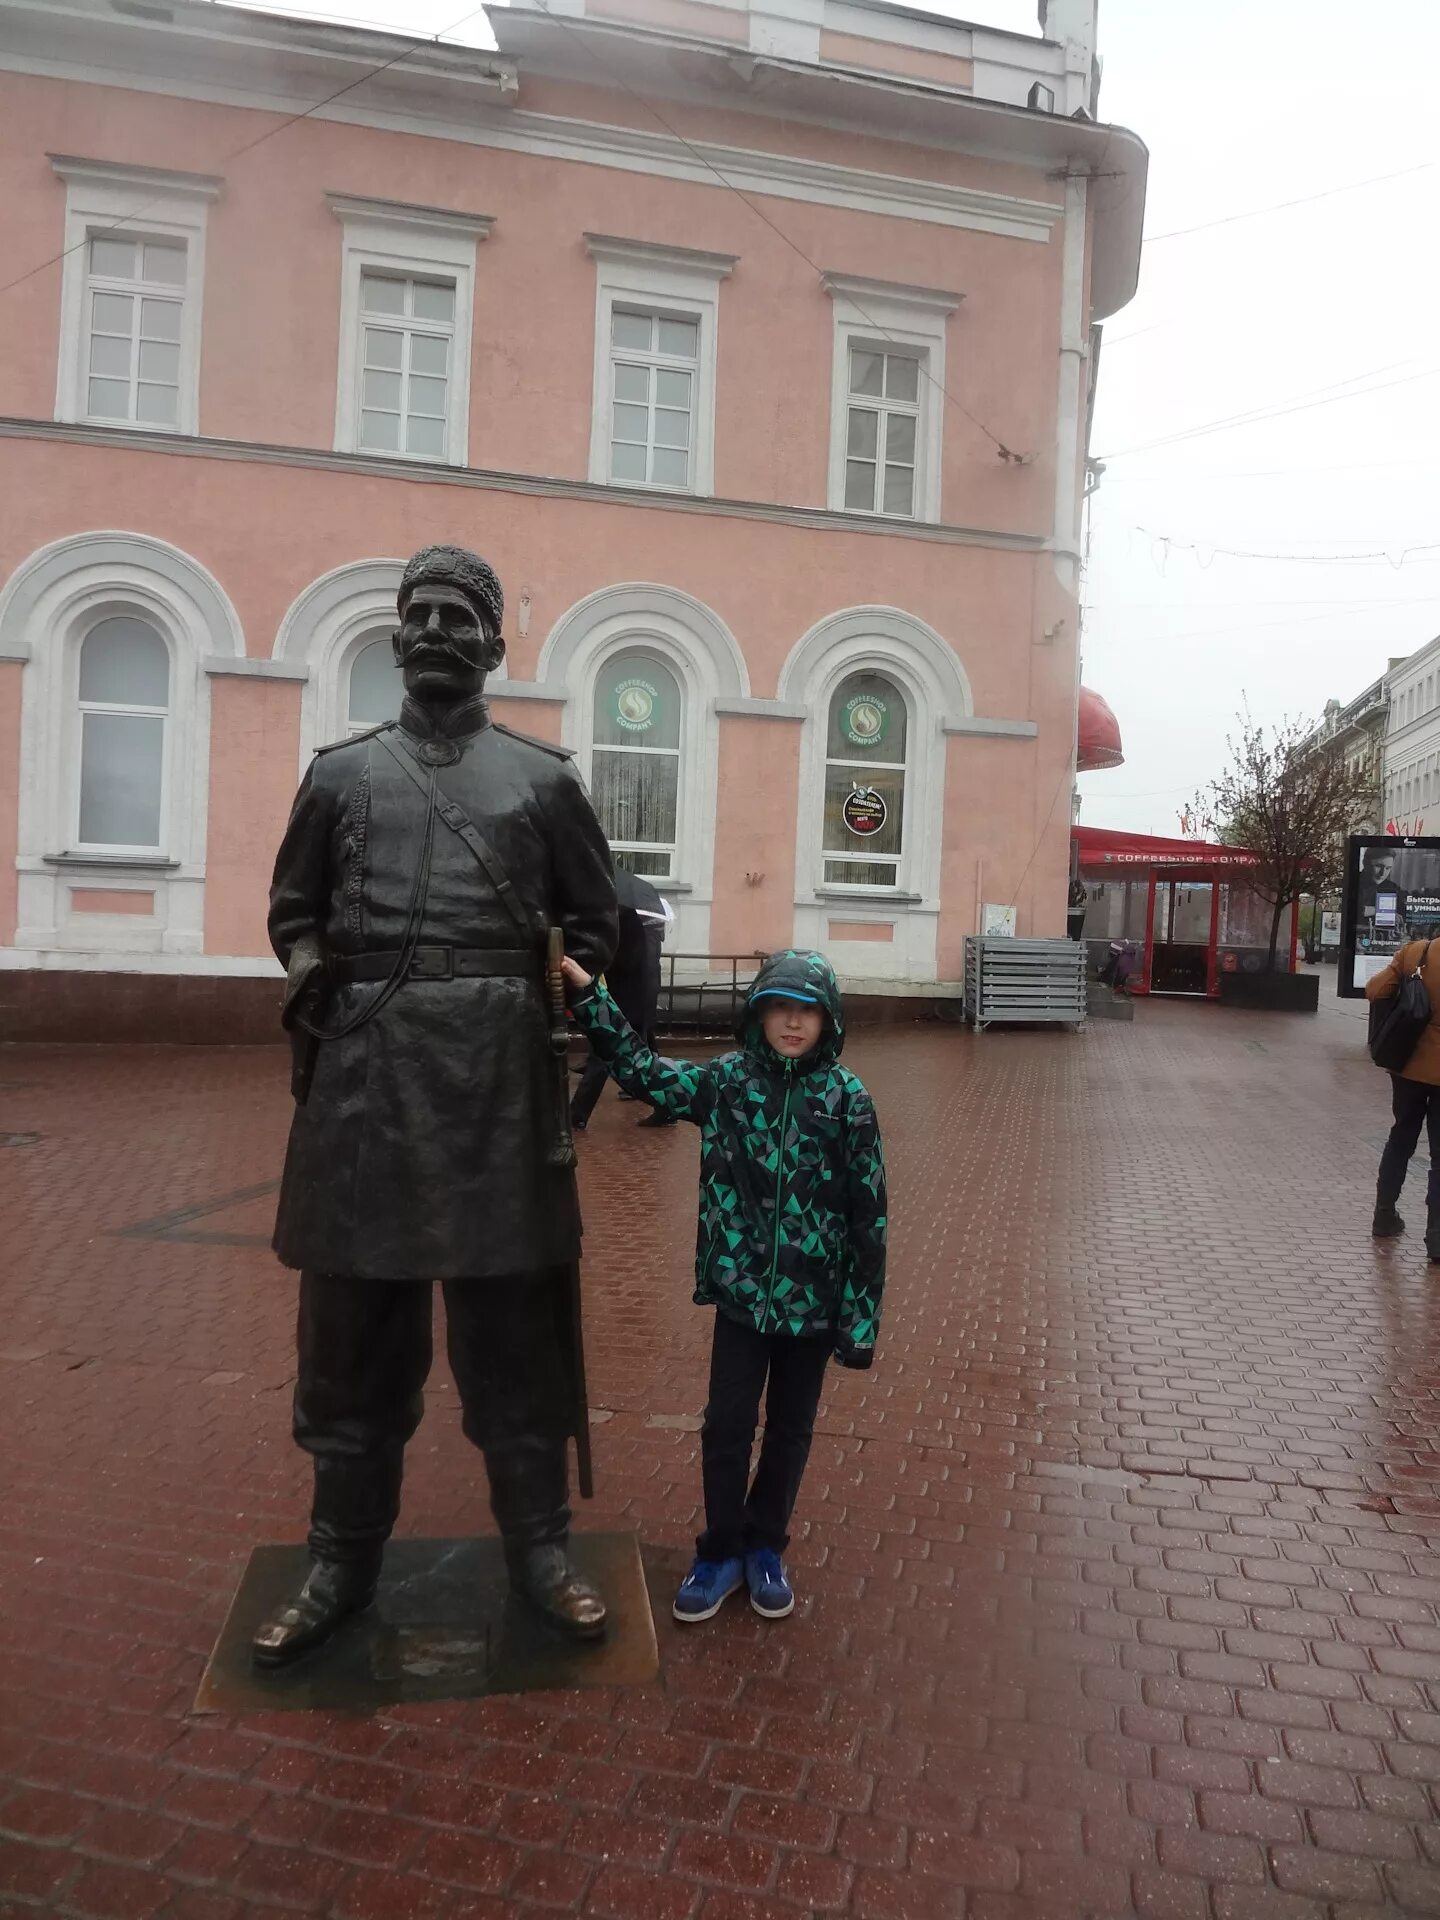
point(808, 975)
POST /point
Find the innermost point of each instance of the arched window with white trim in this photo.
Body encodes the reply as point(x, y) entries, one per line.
point(863, 834)
point(635, 749)
point(374, 688)
point(124, 699)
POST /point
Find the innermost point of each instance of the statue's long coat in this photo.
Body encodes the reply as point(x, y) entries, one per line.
point(420, 1151)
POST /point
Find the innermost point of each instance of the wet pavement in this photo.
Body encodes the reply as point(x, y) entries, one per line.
point(1119, 1579)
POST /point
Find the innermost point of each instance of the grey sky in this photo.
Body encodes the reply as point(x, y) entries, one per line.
point(1246, 103)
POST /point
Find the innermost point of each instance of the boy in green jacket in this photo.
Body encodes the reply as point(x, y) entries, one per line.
point(790, 1248)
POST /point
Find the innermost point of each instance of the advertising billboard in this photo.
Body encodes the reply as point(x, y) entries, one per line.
point(1392, 894)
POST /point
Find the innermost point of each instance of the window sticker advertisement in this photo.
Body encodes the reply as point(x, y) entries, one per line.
point(1392, 895)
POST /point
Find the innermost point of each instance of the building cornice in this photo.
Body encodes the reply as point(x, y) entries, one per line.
point(399, 214)
point(651, 253)
point(855, 287)
point(420, 473)
point(142, 180)
point(272, 74)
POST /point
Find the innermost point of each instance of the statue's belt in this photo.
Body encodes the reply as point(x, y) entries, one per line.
point(437, 963)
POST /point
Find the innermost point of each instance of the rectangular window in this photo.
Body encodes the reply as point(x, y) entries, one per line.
point(406, 353)
point(887, 412)
point(654, 364)
point(657, 312)
point(134, 304)
point(407, 292)
point(131, 293)
point(882, 426)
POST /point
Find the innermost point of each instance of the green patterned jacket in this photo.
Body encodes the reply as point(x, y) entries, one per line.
point(791, 1234)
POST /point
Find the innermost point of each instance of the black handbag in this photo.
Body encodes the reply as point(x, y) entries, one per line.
point(1396, 1034)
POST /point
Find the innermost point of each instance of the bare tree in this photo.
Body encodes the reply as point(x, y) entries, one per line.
point(1289, 801)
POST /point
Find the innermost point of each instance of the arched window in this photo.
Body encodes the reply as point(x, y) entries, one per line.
point(635, 761)
point(375, 689)
point(865, 755)
point(124, 700)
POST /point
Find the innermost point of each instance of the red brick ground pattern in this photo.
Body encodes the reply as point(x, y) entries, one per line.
point(1121, 1592)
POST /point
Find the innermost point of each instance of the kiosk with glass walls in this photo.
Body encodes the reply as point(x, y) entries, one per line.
point(1392, 894)
point(1185, 905)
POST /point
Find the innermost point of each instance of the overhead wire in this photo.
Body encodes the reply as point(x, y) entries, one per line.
point(618, 79)
point(1257, 416)
point(1283, 206)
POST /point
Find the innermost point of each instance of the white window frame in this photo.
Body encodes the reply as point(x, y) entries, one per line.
point(75, 737)
point(895, 861)
point(886, 317)
point(639, 649)
point(381, 633)
point(427, 243)
point(51, 601)
point(682, 283)
point(129, 203)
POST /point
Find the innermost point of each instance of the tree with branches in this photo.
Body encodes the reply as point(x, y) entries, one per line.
point(1290, 801)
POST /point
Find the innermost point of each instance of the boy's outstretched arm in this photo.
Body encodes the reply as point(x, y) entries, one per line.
point(678, 1087)
point(866, 1207)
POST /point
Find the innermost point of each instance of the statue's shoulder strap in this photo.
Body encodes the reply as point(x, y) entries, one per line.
point(354, 739)
point(531, 740)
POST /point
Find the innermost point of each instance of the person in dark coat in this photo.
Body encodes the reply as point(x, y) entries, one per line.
point(633, 980)
point(422, 863)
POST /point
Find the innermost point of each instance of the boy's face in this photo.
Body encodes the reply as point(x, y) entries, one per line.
point(791, 1027)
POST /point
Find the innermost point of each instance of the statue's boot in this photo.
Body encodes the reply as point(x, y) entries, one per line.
point(529, 1497)
point(355, 1503)
point(333, 1591)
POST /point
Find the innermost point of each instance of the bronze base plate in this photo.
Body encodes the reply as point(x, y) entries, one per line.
point(444, 1626)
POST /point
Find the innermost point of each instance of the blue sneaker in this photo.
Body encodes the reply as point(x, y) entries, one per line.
point(771, 1594)
point(706, 1588)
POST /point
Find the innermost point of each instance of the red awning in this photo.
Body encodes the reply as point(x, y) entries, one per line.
point(1101, 847)
point(1097, 735)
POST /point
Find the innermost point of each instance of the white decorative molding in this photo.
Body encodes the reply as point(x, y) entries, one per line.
point(615, 250)
point(541, 486)
point(648, 607)
point(989, 729)
point(393, 238)
point(934, 685)
point(321, 632)
point(139, 203)
point(762, 709)
point(503, 689)
point(702, 653)
point(671, 280)
point(72, 168)
point(53, 599)
point(405, 218)
point(857, 289)
point(915, 643)
point(219, 664)
point(17, 650)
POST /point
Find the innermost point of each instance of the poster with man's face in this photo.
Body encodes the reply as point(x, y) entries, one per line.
point(1392, 894)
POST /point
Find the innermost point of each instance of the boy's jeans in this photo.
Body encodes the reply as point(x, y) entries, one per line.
point(740, 1516)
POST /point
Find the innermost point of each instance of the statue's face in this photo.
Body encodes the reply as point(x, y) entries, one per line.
point(442, 647)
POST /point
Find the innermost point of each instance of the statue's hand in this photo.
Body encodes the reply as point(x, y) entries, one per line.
point(576, 977)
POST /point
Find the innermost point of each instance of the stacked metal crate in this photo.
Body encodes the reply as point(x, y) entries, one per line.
point(1024, 982)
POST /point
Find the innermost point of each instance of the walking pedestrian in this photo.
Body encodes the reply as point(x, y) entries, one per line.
point(791, 1249)
point(1415, 1099)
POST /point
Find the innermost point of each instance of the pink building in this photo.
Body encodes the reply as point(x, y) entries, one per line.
point(754, 345)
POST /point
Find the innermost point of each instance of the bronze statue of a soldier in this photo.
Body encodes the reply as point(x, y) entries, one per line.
point(423, 866)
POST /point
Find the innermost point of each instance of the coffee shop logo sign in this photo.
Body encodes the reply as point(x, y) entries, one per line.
point(637, 705)
point(867, 720)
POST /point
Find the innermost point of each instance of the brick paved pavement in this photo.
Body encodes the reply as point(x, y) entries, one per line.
point(1121, 1590)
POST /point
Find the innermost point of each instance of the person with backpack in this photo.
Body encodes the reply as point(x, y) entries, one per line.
point(1415, 1097)
point(790, 1249)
